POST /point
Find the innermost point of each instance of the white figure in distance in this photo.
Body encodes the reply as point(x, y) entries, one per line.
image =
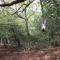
point(43, 26)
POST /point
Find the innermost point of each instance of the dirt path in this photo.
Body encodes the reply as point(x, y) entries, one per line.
point(34, 54)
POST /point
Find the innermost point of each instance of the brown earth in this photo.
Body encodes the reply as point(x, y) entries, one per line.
point(32, 54)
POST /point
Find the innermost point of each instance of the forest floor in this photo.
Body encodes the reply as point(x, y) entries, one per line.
point(32, 54)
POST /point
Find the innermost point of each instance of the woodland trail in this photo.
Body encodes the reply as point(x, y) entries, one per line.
point(33, 54)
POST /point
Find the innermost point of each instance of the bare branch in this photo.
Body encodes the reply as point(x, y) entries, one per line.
point(19, 8)
point(20, 16)
point(28, 5)
point(12, 3)
point(25, 6)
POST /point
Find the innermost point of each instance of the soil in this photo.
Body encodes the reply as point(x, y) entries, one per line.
point(30, 54)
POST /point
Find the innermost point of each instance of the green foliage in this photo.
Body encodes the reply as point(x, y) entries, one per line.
point(14, 29)
point(50, 13)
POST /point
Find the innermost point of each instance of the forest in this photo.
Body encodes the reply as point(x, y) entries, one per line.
point(30, 23)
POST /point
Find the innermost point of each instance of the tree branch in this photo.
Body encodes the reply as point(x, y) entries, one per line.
point(28, 5)
point(24, 7)
point(12, 3)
